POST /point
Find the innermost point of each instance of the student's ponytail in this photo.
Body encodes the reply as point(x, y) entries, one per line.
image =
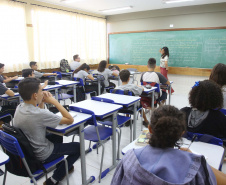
point(167, 124)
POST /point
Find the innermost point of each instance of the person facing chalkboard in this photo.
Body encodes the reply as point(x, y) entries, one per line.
point(164, 62)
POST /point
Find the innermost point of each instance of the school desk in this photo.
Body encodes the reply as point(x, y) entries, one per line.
point(125, 101)
point(79, 121)
point(212, 153)
point(68, 83)
point(6, 97)
point(3, 160)
point(52, 87)
point(102, 110)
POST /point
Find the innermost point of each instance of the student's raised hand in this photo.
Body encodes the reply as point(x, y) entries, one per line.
point(160, 50)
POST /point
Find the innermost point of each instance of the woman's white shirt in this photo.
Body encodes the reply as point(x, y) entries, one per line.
point(162, 61)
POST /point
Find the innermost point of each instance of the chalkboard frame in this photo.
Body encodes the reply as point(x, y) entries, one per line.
point(161, 30)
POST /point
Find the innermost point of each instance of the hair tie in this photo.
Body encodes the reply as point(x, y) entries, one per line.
point(196, 84)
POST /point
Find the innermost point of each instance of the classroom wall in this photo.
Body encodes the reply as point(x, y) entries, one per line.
point(212, 15)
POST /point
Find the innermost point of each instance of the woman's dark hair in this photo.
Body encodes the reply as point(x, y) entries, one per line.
point(218, 74)
point(27, 87)
point(167, 124)
point(206, 95)
point(166, 52)
point(2, 65)
point(102, 66)
point(82, 67)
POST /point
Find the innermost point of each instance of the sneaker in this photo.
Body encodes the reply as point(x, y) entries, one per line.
point(49, 182)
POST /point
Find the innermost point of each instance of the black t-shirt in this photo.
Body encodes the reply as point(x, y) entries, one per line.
point(214, 124)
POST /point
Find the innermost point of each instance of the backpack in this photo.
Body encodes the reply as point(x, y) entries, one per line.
point(64, 66)
point(15, 164)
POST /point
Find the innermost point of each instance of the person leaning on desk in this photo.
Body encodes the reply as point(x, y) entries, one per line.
point(34, 66)
point(33, 120)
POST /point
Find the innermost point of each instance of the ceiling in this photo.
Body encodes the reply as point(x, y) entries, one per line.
point(95, 6)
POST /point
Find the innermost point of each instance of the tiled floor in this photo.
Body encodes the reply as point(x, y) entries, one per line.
point(181, 85)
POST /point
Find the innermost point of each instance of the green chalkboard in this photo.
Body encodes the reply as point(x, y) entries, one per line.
point(190, 48)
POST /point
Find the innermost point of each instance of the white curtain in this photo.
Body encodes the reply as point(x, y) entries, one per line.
point(60, 35)
point(13, 39)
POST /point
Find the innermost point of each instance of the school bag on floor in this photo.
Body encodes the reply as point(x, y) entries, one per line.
point(64, 66)
point(15, 164)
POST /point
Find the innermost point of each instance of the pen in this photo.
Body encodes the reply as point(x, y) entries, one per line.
point(193, 138)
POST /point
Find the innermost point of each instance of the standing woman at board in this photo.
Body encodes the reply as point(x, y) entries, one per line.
point(164, 62)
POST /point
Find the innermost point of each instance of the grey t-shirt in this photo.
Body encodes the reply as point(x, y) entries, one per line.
point(3, 89)
point(1, 78)
point(106, 73)
point(33, 122)
point(137, 91)
point(81, 74)
point(38, 74)
point(74, 65)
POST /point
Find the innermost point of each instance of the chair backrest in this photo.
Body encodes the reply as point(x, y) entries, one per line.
point(11, 144)
point(102, 99)
point(81, 83)
point(122, 92)
point(223, 111)
point(204, 138)
point(99, 76)
point(59, 75)
point(153, 84)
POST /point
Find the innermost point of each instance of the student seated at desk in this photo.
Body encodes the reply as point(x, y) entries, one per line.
point(6, 109)
point(34, 66)
point(33, 120)
point(5, 79)
point(106, 73)
point(75, 63)
point(137, 90)
point(218, 75)
point(152, 76)
point(159, 163)
point(26, 73)
point(82, 72)
point(204, 116)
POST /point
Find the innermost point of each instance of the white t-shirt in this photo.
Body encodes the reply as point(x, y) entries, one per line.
point(162, 61)
point(106, 73)
point(74, 65)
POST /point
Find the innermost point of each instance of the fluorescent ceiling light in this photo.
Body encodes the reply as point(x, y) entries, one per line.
point(117, 9)
point(176, 1)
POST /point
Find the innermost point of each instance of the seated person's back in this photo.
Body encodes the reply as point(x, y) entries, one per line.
point(125, 78)
point(203, 117)
point(158, 162)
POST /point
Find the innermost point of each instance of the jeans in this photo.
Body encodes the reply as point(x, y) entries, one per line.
point(60, 149)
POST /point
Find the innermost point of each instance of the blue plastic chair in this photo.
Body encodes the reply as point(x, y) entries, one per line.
point(223, 111)
point(81, 84)
point(11, 144)
point(121, 120)
point(95, 133)
point(122, 92)
point(59, 75)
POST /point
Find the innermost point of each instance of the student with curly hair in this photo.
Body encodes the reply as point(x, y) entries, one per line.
point(204, 116)
point(159, 163)
point(218, 75)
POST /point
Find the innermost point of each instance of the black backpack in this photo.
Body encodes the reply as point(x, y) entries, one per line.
point(15, 164)
point(64, 66)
